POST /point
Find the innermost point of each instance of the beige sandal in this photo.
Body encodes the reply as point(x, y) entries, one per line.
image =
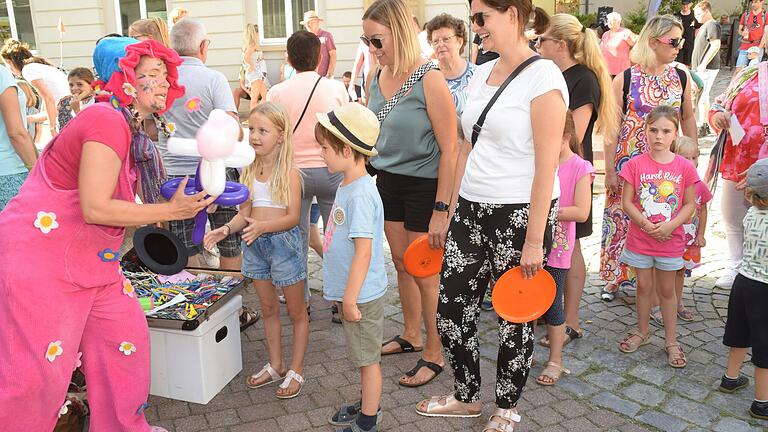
point(505, 420)
point(290, 376)
point(633, 346)
point(267, 369)
point(553, 371)
point(446, 406)
point(676, 358)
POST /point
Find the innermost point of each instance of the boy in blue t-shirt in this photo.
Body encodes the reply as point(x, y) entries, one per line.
point(353, 254)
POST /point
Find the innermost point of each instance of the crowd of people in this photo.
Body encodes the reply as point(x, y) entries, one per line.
point(490, 155)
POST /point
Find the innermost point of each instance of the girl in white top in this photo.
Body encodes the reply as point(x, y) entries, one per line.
point(255, 66)
point(506, 209)
point(272, 249)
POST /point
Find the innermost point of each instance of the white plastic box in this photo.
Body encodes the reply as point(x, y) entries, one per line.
point(194, 366)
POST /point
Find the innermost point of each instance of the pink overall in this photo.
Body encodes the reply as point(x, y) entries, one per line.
point(63, 302)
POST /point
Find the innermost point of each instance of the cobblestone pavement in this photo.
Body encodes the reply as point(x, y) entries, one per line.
point(606, 390)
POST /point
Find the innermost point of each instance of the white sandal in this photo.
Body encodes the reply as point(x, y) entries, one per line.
point(266, 369)
point(508, 416)
point(291, 376)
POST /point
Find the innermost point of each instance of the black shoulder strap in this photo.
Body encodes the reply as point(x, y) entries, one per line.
point(417, 75)
point(304, 111)
point(683, 82)
point(478, 126)
point(627, 82)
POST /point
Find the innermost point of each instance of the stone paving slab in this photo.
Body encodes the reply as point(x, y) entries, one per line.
point(606, 391)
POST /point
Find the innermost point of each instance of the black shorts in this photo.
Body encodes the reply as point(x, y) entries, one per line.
point(584, 229)
point(747, 324)
point(407, 199)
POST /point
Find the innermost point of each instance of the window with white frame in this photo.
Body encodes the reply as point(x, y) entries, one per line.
point(128, 11)
point(16, 21)
point(278, 19)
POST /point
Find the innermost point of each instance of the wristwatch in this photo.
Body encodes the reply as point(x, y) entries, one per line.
point(441, 206)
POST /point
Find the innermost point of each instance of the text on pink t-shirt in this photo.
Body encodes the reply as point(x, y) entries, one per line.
point(659, 190)
point(569, 173)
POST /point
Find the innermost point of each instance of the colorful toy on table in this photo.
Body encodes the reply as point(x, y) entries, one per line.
point(179, 299)
point(216, 142)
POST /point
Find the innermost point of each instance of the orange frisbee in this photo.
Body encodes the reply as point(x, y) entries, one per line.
point(521, 300)
point(422, 261)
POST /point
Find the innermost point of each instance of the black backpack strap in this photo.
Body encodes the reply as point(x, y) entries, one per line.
point(478, 126)
point(304, 111)
point(625, 93)
point(683, 81)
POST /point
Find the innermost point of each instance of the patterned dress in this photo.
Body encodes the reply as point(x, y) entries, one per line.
point(645, 93)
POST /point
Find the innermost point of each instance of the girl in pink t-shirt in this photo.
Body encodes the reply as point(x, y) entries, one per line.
point(575, 175)
point(658, 198)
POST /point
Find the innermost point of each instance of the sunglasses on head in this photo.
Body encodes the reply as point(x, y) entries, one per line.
point(375, 41)
point(673, 42)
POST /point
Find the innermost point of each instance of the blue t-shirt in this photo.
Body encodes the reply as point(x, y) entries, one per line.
point(357, 213)
point(10, 162)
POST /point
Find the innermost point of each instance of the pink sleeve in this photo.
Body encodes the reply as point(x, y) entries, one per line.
point(691, 175)
point(329, 42)
point(106, 126)
point(702, 191)
point(628, 172)
point(585, 168)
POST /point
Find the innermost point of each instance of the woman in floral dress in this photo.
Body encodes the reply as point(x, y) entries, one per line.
point(741, 99)
point(653, 82)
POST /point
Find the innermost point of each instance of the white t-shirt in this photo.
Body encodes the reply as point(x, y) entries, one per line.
point(54, 79)
point(500, 167)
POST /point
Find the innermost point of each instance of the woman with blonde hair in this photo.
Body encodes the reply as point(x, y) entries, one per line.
point(254, 69)
point(576, 52)
point(506, 210)
point(150, 28)
point(416, 163)
point(652, 81)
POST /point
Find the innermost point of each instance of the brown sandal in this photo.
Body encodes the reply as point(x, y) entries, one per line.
point(553, 371)
point(505, 420)
point(633, 346)
point(676, 358)
point(446, 406)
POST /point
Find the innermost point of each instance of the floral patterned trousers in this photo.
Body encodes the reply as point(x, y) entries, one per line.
point(484, 241)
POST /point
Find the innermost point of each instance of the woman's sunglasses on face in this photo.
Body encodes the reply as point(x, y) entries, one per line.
point(673, 42)
point(478, 19)
point(375, 41)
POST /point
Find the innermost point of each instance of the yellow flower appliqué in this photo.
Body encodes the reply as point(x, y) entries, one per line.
point(54, 350)
point(171, 128)
point(127, 348)
point(129, 90)
point(128, 288)
point(46, 221)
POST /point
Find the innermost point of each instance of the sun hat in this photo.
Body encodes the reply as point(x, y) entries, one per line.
point(116, 58)
point(757, 178)
point(753, 50)
point(309, 16)
point(355, 125)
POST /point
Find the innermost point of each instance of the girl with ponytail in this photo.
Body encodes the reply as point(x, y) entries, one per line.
point(576, 51)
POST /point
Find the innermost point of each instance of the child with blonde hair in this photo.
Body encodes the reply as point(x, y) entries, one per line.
point(658, 197)
point(272, 248)
point(747, 323)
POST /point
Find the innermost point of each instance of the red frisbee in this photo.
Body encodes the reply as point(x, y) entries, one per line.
point(521, 300)
point(420, 260)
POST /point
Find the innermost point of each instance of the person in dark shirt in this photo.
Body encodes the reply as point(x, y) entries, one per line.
point(690, 25)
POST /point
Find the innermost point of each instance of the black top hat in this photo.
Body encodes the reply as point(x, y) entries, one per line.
point(159, 250)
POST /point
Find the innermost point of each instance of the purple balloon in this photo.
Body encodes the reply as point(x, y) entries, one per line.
point(234, 194)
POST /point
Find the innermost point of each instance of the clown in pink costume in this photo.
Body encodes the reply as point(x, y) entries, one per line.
point(65, 300)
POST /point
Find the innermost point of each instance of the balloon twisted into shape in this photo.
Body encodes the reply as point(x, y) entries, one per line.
point(216, 142)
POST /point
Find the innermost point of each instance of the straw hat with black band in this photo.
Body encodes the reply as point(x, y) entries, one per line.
point(355, 125)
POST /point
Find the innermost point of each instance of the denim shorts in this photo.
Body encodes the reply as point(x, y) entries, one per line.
point(277, 257)
point(641, 261)
point(555, 316)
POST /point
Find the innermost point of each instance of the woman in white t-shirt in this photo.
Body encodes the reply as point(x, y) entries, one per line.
point(506, 210)
point(50, 82)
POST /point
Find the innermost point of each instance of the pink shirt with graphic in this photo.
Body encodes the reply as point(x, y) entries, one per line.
point(569, 174)
point(659, 190)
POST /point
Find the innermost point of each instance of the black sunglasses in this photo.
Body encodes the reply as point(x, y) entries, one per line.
point(674, 42)
point(478, 19)
point(375, 41)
